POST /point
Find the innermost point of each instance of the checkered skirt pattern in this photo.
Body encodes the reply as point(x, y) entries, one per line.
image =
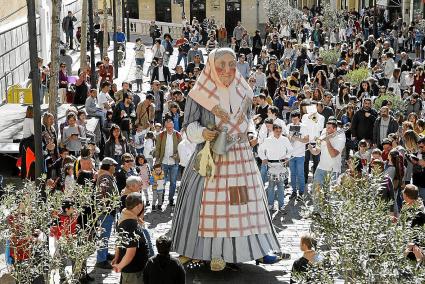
point(220, 218)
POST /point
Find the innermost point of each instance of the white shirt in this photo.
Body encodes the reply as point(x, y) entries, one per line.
point(161, 73)
point(186, 150)
point(275, 148)
point(28, 127)
point(298, 147)
point(327, 163)
point(313, 128)
point(148, 148)
point(103, 98)
point(264, 132)
point(168, 150)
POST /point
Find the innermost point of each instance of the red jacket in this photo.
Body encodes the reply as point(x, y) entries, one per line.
point(20, 244)
point(104, 71)
point(67, 226)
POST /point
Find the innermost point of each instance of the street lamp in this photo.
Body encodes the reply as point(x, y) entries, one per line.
point(114, 15)
point(35, 82)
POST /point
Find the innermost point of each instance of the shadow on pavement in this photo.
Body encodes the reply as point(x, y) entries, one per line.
point(248, 273)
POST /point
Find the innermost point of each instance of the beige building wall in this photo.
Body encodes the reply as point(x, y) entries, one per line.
point(12, 10)
point(147, 9)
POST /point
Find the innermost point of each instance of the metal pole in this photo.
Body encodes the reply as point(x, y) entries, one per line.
point(123, 16)
point(114, 15)
point(128, 25)
point(183, 12)
point(35, 82)
point(92, 59)
point(375, 23)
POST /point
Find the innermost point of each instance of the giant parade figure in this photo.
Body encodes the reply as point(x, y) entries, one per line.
point(221, 212)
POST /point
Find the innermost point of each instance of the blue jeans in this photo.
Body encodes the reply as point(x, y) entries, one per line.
point(180, 57)
point(107, 222)
point(280, 192)
point(170, 173)
point(321, 175)
point(263, 171)
point(296, 166)
point(140, 61)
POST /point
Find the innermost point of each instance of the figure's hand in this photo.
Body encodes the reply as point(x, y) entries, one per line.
point(209, 135)
point(253, 142)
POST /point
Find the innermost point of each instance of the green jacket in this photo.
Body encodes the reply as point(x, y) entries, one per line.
point(161, 139)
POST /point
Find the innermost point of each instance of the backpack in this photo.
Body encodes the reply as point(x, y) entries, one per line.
point(185, 47)
point(169, 48)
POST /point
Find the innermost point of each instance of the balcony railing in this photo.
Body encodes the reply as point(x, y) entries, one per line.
point(141, 27)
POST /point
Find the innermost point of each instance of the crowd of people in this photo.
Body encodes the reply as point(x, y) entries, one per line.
point(309, 121)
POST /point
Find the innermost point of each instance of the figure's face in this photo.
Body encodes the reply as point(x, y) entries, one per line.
point(225, 67)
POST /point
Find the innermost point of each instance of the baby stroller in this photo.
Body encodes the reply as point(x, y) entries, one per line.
point(121, 43)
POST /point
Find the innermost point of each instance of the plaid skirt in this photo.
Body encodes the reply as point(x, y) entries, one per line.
point(234, 246)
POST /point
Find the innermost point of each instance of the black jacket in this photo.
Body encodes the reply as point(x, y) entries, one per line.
point(166, 72)
point(165, 270)
point(191, 66)
point(362, 126)
point(407, 66)
point(392, 128)
point(109, 150)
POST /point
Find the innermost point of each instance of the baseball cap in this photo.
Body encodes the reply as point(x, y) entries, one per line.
point(109, 161)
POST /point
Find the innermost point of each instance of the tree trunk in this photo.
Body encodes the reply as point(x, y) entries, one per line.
point(54, 56)
point(105, 29)
point(83, 47)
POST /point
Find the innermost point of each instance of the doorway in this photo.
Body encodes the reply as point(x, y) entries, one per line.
point(133, 8)
point(233, 15)
point(198, 10)
point(163, 11)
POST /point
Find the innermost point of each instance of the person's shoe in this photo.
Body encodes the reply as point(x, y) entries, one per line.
point(103, 265)
point(293, 195)
point(300, 197)
point(148, 203)
point(159, 208)
point(153, 208)
point(171, 203)
point(110, 256)
point(270, 207)
point(282, 210)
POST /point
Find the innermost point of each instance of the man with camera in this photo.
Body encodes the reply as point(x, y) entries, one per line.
point(274, 152)
point(299, 137)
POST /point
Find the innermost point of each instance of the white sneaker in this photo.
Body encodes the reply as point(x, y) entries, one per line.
point(282, 208)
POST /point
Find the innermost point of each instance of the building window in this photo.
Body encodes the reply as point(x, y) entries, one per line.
point(163, 10)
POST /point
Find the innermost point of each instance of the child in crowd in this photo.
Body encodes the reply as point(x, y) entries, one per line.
point(69, 180)
point(158, 129)
point(144, 171)
point(376, 154)
point(139, 78)
point(139, 138)
point(157, 180)
point(149, 147)
point(363, 153)
point(65, 225)
point(151, 67)
point(163, 261)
